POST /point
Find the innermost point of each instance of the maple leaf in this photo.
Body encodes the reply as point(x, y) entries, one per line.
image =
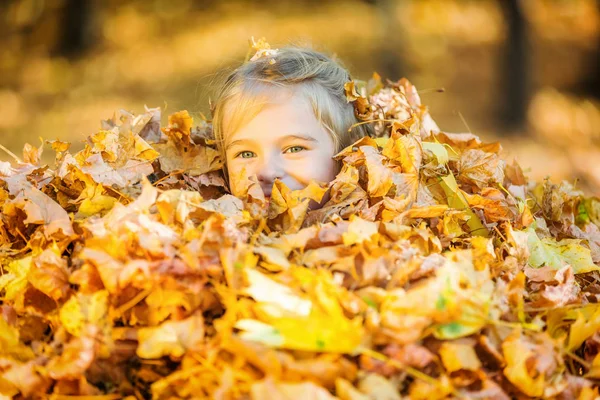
point(181, 154)
point(31, 154)
point(461, 142)
point(288, 208)
point(480, 169)
point(590, 234)
point(492, 202)
point(358, 231)
point(404, 150)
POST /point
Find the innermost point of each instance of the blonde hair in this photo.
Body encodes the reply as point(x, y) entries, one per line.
point(318, 78)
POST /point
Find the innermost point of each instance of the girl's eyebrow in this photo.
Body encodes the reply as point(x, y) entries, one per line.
point(301, 136)
point(237, 142)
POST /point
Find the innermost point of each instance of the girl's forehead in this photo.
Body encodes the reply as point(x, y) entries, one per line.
point(248, 102)
point(282, 111)
point(279, 125)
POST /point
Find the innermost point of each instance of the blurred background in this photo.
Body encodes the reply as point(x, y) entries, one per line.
point(523, 72)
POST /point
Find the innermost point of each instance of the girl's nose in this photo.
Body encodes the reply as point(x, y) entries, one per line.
point(270, 170)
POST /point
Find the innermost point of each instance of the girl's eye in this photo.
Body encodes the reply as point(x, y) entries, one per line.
point(294, 149)
point(245, 154)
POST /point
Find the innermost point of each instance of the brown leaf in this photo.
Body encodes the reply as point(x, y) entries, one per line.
point(480, 169)
point(49, 275)
point(380, 177)
point(492, 202)
point(40, 209)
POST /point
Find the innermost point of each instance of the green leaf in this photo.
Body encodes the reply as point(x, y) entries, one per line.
point(548, 251)
point(438, 150)
point(467, 324)
point(582, 216)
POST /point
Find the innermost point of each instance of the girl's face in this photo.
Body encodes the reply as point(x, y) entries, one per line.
point(284, 141)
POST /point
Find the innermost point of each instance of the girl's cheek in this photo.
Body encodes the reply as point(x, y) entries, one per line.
point(313, 168)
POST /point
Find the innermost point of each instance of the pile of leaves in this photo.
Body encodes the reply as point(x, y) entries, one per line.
point(435, 270)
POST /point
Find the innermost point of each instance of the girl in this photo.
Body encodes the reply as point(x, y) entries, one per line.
point(284, 115)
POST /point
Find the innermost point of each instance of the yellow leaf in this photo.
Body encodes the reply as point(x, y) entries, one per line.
point(175, 205)
point(457, 200)
point(439, 389)
point(438, 150)
point(264, 289)
point(516, 353)
point(96, 205)
point(273, 256)
point(11, 345)
point(15, 281)
point(594, 372)
point(49, 274)
point(292, 322)
point(377, 387)
point(588, 393)
point(587, 323)
point(405, 150)
point(427, 211)
point(456, 356)
point(345, 391)
point(172, 338)
point(315, 332)
point(359, 230)
point(40, 208)
point(163, 302)
point(380, 176)
point(82, 309)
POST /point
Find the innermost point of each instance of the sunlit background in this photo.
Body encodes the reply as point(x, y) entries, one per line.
point(522, 72)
